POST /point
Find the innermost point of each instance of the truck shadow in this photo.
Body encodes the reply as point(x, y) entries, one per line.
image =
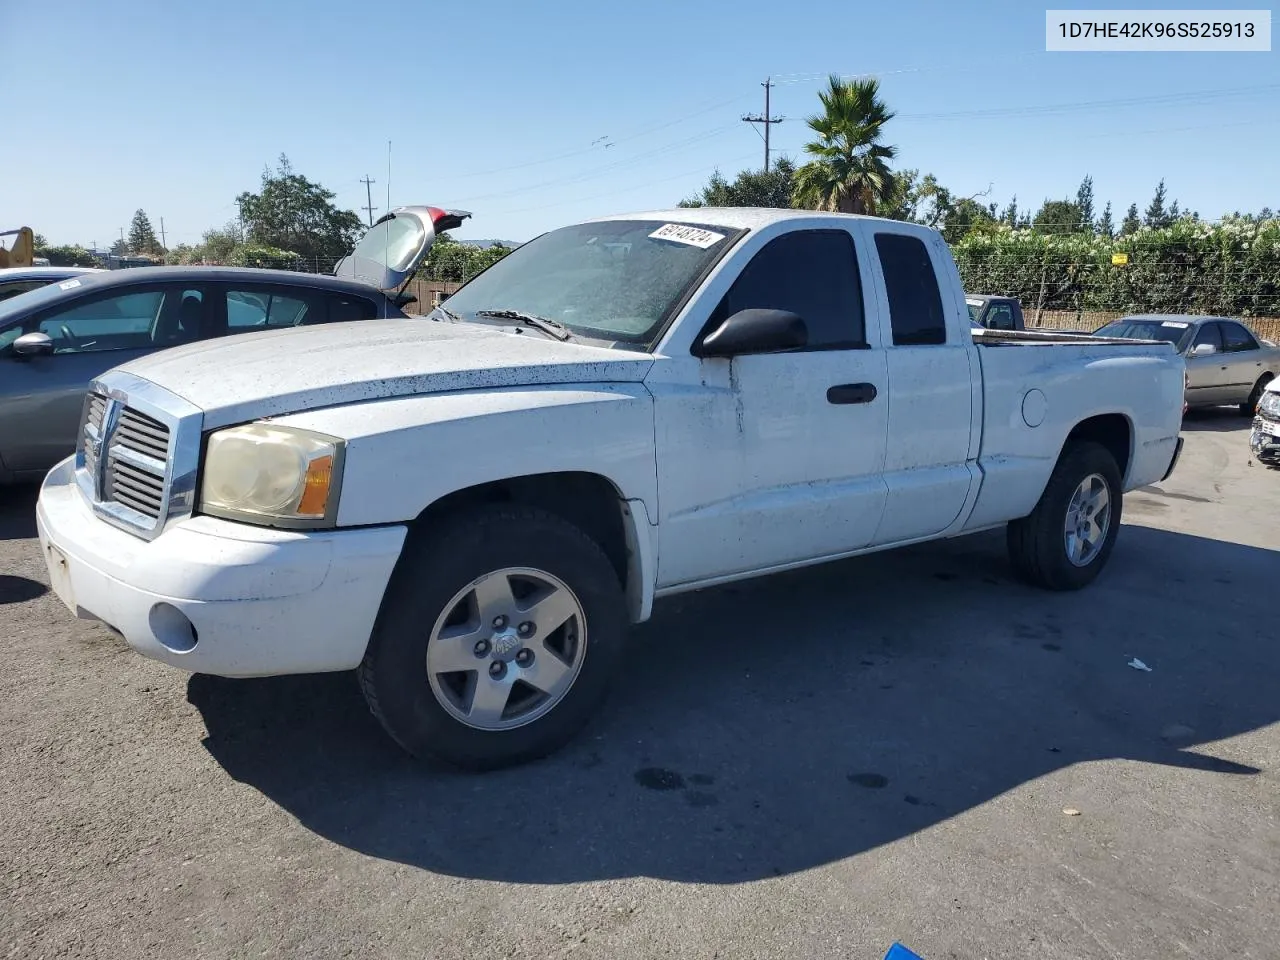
point(775, 726)
point(1216, 420)
point(18, 511)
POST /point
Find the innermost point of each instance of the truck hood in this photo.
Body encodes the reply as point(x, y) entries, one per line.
point(254, 375)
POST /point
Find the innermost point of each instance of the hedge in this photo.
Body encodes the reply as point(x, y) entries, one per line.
point(1230, 268)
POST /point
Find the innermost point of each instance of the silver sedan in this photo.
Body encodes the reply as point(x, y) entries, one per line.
point(1227, 363)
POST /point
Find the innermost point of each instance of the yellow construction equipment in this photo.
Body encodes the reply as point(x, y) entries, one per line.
point(22, 252)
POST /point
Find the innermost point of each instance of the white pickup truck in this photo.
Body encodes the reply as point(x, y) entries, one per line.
point(468, 508)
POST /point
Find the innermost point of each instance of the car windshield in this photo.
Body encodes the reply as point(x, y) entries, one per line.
point(1177, 332)
point(615, 280)
point(24, 303)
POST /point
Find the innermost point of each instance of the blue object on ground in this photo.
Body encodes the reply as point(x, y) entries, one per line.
point(899, 952)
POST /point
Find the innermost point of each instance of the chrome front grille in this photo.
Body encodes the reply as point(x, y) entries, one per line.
point(137, 460)
point(138, 451)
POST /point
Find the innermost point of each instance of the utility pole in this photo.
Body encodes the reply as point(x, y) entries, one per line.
point(162, 240)
point(766, 119)
point(368, 192)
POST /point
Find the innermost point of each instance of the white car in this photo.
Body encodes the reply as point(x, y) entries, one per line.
point(469, 510)
point(1264, 440)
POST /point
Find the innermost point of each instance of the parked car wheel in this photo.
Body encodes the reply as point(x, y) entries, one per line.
point(1250, 405)
point(497, 638)
point(1066, 540)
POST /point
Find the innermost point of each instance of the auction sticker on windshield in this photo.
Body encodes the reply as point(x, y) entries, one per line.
point(1176, 324)
point(693, 236)
point(68, 284)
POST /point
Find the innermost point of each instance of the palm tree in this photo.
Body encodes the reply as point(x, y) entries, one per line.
point(848, 172)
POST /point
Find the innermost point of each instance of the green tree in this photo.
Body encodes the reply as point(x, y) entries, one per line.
point(1084, 202)
point(142, 236)
point(120, 248)
point(292, 213)
point(1131, 221)
point(925, 201)
point(1157, 216)
point(849, 171)
point(1058, 216)
point(751, 188)
point(219, 243)
point(1010, 214)
point(1106, 226)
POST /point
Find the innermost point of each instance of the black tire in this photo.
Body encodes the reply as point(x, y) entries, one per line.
point(1248, 408)
point(1036, 542)
point(436, 564)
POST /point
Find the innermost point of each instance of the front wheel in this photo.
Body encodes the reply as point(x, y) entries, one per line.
point(497, 639)
point(1066, 540)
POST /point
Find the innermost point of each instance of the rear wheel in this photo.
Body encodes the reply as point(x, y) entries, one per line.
point(1067, 539)
point(1248, 408)
point(497, 639)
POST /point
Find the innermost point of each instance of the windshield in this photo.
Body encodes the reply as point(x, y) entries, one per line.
point(24, 303)
point(1177, 332)
point(617, 280)
point(975, 309)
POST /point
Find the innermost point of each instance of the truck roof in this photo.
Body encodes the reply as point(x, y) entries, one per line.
point(737, 218)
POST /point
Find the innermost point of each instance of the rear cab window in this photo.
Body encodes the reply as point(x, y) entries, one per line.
point(911, 286)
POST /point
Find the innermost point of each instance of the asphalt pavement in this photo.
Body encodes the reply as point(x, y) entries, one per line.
point(909, 746)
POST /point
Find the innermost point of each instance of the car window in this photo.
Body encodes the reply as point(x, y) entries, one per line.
point(267, 310)
point(1208, 333)
point(1237, 338)
point(915, 303)
point(15, 287)
point(343, 308)
point(1000, 317)
point(811, 273)
point(130, 320)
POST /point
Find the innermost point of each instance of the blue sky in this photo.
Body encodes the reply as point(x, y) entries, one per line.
point(494, 106)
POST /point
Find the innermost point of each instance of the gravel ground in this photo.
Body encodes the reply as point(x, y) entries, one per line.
point(813, 765)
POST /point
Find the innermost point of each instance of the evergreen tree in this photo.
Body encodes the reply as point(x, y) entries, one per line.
point(1105, 225)
point(142, 237)
point(1157, 216)
point(1131, 221)
point(1084, 202)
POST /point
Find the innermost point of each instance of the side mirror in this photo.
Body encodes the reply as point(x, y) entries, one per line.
point(754, 331)
point(33, 345)
point(1203, 350)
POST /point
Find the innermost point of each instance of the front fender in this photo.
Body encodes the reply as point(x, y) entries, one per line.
point(403, 454)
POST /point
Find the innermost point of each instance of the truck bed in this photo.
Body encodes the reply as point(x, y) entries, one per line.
point(1006, 338)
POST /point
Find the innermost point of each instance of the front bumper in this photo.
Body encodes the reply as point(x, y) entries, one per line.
point(212, 596)
point(1264, 440)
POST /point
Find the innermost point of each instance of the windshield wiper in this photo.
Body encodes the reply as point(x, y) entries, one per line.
point(550, 327)
point(441, 308)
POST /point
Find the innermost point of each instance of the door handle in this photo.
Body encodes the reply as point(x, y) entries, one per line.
point(851, 393)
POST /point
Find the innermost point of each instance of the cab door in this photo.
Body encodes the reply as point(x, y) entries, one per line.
point(773, 459)
point(1206, 366)
point(927, 467)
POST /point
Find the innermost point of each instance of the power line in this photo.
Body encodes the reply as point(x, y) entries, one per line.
point(368, 192)
point(765, 119)
point(674, 147)
point(1158, 99)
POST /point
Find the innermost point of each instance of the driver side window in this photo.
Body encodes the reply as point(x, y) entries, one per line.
point(134, 319)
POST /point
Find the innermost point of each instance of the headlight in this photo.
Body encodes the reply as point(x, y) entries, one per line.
point(1270, 404)
point(279, 476)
